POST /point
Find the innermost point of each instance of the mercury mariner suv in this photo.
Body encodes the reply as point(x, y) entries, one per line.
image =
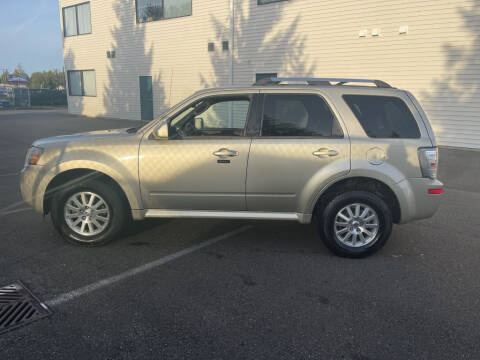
point(352, 159)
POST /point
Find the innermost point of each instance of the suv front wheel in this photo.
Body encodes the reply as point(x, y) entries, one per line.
point(89, 213)
point(355, 224)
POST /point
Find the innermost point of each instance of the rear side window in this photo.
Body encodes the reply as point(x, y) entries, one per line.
point(383, 116)
point(298, 115)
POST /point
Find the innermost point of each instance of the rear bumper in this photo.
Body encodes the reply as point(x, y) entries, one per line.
point(415, 201)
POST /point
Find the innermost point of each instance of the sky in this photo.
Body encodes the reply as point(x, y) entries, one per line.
point(30, 34)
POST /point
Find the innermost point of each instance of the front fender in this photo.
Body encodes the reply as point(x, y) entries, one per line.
point(124, 174)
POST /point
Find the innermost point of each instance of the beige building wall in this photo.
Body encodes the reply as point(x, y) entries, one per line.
point(173, 51)
point(438, 59)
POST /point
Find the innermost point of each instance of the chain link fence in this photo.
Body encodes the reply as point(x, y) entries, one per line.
point(11, 96)
point(46, 97)
point(21, 97)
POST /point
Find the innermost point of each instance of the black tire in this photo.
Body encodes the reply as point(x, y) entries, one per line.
point(325, 221)
point(116, 205)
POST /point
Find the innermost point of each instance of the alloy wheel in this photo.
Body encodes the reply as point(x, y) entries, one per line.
point(87, 213)
point(356, 225)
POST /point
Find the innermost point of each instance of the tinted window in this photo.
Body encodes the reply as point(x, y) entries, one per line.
point(383, 116)
point(212, 117)
point(298, 115)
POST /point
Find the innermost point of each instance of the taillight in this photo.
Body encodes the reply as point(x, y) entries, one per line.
point(428, 158)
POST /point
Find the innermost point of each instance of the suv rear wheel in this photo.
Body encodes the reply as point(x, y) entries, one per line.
point(355, 224)
point(89, 213)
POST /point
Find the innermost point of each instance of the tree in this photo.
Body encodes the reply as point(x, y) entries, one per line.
point(47, 79)
point(3, 77)
point(20, 72)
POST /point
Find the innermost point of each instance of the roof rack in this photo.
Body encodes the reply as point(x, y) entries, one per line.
point(320, 81)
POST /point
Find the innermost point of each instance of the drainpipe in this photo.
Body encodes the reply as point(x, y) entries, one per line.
point(230, 60)
point(231, 41)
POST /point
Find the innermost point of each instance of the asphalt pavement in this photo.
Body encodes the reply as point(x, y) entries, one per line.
point(224, 289)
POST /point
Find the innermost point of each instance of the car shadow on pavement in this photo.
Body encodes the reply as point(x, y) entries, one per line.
point(136, 228)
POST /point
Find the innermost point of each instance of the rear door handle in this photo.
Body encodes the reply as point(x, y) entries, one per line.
point(325, 152)
point(225, 153)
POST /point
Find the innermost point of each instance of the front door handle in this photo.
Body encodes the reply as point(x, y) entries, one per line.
point(325, 152)
point(223, 153)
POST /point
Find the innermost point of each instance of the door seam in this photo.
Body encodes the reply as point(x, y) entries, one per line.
point(246, 173)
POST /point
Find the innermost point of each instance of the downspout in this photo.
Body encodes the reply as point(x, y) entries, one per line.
point(232, 41)
point(230, 60)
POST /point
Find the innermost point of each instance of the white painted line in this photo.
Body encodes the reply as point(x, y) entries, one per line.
point(10, 174)
point(14, 211)
point(138, 270)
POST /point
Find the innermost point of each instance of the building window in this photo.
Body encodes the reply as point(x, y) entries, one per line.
point(265, 2)
point(262, 76)
point(76, 20)
point(81, 83)
point(153, 10)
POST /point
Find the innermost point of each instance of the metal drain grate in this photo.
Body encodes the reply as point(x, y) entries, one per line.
point(19, 307)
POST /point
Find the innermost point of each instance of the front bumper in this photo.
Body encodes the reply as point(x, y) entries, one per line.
point(30, 185)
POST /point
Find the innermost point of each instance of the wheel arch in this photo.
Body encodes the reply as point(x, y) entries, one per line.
point(71, 177)
point(361, 183)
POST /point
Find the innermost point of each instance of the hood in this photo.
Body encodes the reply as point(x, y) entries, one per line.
point(83, 137)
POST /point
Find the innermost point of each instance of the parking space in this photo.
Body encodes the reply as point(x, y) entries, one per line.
point(216, 289)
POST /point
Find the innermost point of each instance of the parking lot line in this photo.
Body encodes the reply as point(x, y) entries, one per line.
point(4, 213)
point(10, 174)
point(58, 300)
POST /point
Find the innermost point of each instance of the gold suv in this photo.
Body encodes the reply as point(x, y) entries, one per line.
point(354, 159)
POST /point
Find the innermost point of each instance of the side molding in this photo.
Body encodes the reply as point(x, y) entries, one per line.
point(206, 214)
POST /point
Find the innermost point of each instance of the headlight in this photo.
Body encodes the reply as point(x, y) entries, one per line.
point(33, 155)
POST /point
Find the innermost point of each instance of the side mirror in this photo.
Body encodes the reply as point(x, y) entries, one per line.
point(161, 131)
point(199, 123)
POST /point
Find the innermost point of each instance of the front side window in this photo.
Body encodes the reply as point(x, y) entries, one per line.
point(82, 83)
point(215, 116)
point(383, 116)
point(76, 20)
point(298, 115)
point(153, 10)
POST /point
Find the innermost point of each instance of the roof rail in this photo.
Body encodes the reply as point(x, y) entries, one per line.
point(320, 81)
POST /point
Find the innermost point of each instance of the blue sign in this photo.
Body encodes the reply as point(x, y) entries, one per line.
point(16, 79)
